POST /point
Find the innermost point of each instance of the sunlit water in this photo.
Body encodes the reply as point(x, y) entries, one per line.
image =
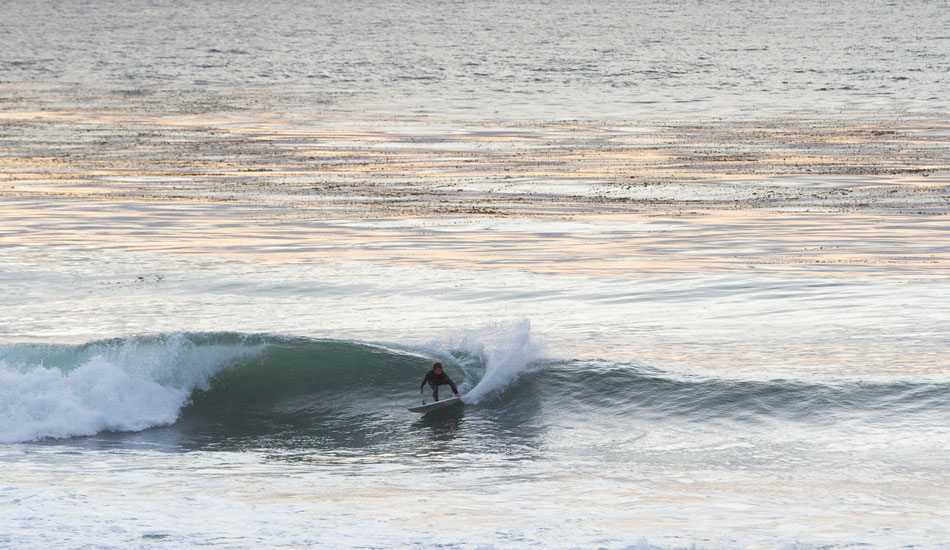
point(205, 343)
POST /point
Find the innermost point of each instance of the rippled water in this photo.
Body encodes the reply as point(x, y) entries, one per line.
point(234, 236)
point(491, 59)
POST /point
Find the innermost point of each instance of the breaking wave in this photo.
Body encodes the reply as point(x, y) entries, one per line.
point(269, 390)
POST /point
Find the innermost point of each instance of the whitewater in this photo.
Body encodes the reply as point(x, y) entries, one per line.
point(687, 262)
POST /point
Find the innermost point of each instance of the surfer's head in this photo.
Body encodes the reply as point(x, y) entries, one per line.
point(437, 367)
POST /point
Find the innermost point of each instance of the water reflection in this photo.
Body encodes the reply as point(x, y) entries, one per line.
point(442, 424)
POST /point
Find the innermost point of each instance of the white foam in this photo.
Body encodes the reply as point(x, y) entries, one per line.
point(491, 357)
point(129, 386)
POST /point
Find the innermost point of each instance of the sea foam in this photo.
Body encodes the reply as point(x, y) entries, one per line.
point(119, 385)
point(491, 357)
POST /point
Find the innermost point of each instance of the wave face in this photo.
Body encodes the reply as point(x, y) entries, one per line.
point(648, 392)
point(226, 390)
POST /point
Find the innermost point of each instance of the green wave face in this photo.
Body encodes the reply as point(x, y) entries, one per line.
point(301, 393)
point(213, 389)
point(229, 391)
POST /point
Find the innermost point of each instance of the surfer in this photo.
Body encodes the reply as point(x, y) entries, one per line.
point(435, 378)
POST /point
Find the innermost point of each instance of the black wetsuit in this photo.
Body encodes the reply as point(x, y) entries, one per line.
point(435, 380)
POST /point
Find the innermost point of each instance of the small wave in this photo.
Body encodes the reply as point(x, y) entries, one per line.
point(624, 389)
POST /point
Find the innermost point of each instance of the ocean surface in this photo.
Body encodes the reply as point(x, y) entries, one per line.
point(488, 59)
point(688, 262)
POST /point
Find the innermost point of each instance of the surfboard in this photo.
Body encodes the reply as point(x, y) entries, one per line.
point(436, 405)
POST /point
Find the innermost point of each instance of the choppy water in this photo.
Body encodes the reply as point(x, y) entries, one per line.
point(181, 368)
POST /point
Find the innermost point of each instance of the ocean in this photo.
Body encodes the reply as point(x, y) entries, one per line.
point(688, 263)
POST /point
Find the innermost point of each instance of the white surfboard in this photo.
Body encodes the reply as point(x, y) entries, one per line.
point(436, 405)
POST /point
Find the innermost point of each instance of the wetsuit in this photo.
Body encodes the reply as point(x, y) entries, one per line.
point(435, 380)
